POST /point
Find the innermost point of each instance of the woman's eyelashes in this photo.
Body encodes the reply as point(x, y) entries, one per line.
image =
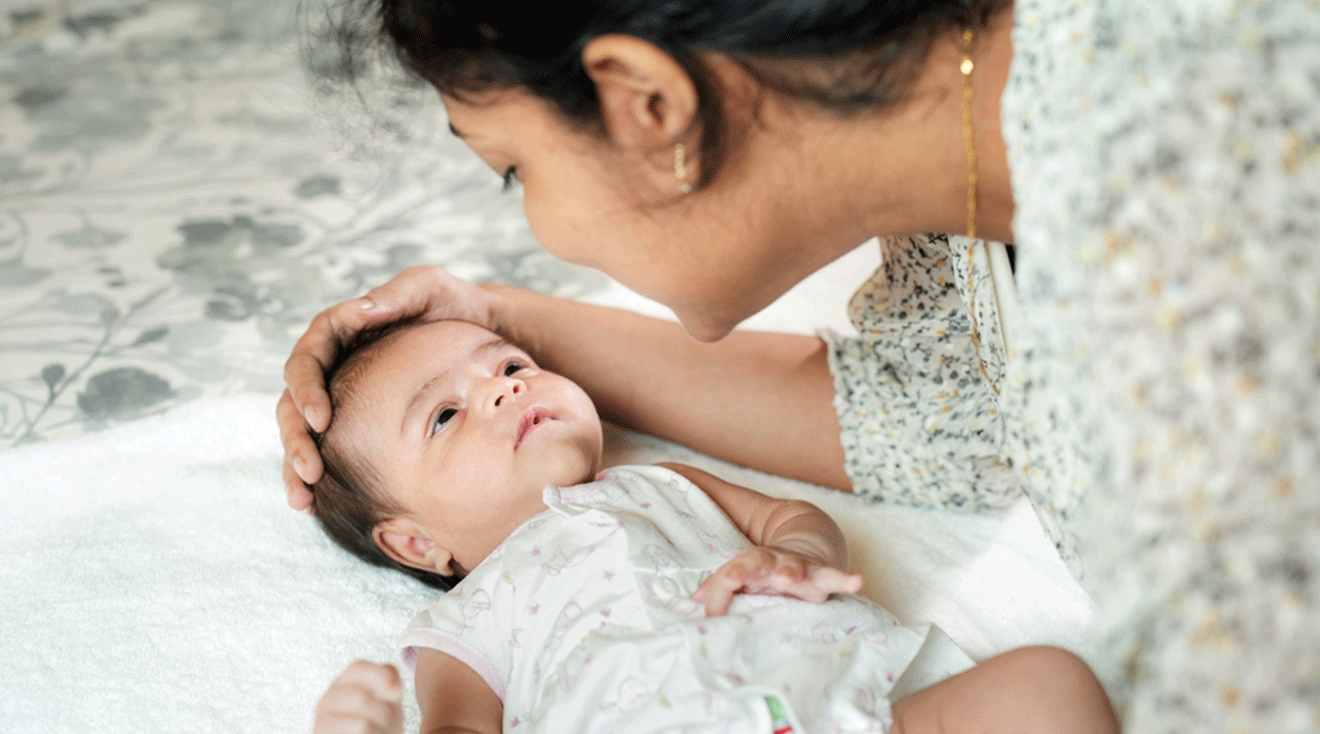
point(510, 177)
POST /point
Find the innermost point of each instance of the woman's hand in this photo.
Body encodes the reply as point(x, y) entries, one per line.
point(427, 293)
point(760, 570)
point(366, 698)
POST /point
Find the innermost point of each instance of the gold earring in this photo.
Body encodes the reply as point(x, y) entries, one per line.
point(680, 168)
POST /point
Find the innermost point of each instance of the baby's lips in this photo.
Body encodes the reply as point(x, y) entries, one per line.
point(533, 417)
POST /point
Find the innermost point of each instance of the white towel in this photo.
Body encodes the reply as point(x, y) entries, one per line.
point(154, 580)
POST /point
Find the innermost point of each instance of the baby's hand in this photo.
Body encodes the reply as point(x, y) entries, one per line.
point(367, 698)
point(759, 570)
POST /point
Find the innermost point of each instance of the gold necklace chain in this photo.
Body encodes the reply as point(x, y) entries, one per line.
point(972, 181)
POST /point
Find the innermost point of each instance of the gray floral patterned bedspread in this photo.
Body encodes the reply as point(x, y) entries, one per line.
point(182, 189)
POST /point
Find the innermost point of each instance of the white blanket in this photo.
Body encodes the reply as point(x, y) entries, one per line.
point(154, 580)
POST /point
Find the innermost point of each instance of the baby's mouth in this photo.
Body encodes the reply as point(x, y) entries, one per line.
point(531, 420)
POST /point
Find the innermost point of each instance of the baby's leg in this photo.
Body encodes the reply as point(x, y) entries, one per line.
point(1044, 690)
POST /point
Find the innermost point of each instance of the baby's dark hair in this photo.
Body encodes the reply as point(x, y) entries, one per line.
point(348, 500)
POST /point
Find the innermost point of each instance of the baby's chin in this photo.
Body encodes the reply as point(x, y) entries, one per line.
point(568, 470)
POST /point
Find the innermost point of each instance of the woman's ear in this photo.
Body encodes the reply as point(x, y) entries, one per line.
point(408, 543)
point(647, 99)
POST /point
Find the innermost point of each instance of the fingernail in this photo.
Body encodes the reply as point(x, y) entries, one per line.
point(312, 417)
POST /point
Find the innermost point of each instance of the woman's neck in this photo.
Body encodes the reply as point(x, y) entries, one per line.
point(905, 170)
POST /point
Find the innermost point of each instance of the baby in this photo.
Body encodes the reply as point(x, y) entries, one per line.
point(635, 599)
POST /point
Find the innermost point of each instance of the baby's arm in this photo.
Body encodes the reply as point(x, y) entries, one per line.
point(367, 698)
point(797, 550)
point(453, 698)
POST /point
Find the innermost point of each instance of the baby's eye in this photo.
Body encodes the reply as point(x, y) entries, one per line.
point(441, 419)
point(512, 367)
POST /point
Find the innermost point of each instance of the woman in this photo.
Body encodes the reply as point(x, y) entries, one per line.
point(1153, 393)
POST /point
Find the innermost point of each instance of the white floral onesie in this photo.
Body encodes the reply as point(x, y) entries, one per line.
point(582, 621)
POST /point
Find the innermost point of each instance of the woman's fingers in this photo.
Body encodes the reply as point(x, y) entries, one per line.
point(301, 457)
point(305, 405)
point(431, 293)
point(300, 496)
point(315, 351)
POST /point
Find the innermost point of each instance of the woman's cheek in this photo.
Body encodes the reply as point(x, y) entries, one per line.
point(555, 229)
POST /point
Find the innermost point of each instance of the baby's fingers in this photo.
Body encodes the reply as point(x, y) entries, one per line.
point(809, 582)
point(380, 679)
point(366, 697)
point(749, 567)
point(833, 581)
point(341, 723)
point(717, 591)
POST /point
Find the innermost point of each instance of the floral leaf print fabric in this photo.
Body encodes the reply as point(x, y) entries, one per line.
point(176, 204)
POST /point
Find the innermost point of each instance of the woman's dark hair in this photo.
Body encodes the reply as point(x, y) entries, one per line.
point(842, 55)
point(347, 500)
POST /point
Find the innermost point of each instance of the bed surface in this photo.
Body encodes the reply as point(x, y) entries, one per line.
point(179, 195)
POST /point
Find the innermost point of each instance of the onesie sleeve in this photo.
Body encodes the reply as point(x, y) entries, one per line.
point(434, 628)
point(914, 393)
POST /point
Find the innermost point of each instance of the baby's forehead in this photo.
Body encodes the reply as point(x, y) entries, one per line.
point(451, 341)
point(458, 339)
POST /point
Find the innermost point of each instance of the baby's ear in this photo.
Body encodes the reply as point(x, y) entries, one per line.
point(408, 543)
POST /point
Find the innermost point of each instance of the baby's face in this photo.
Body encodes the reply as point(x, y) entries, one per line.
point(464, 431)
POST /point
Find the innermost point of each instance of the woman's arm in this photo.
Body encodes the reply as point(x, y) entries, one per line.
point(797, 551)
point(759, 399)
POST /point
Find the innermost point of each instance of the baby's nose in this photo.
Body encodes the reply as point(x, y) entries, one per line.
point(510, 387)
